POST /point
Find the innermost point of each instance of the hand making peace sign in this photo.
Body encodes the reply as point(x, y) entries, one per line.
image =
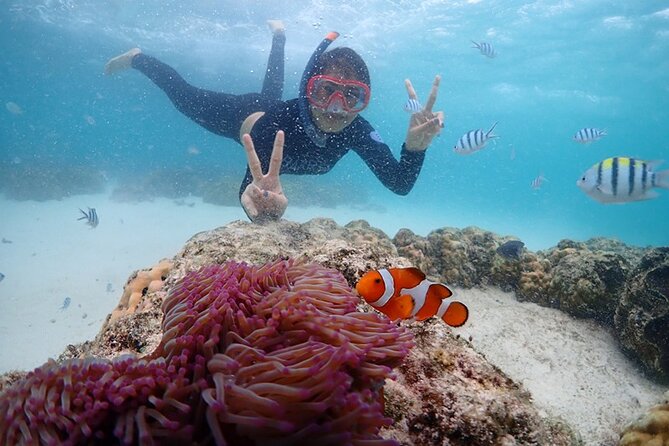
point(424, 125)
point(263, 199)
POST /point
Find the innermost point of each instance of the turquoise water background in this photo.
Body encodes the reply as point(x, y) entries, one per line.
point(561, 66)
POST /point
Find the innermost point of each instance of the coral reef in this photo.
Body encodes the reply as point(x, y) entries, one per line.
point(351, 249)
point(223, 189)
point(446, 393)
point(46, 180)
point(587, 283)
point(533, 282)
point(139, 284)
point(461, 257)
point(274, 354)
point(592, 279)
point(170, 183)
point(651, 429)
point(642, 317)
point(632, 253)
point(417, 249)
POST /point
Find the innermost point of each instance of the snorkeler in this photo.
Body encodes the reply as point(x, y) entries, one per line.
point(304, 136)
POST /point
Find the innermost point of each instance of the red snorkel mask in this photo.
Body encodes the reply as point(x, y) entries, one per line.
point(337, 95)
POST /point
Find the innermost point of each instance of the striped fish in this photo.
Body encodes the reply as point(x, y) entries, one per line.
point(413, 106)
point(91, 217)
point(473, 140)
point(485, 48)
point(588, 135)
point(621, 180)
point(538, 182)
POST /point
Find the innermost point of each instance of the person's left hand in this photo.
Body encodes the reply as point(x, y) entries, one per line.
point(423, 125)
point(263, 199)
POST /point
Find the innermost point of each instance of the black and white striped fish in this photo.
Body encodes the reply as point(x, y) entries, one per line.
point(485, 48)
point(588, 135)
point(538, 181)
point(91, 217)
point(413, 106)
point(473, 140)
point(621, 180)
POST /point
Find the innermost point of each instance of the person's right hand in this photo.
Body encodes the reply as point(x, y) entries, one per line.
point(263, 199)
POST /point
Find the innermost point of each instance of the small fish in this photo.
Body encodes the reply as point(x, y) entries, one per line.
point(588, 135)
point(91, 217)
point(538, 181)
point(2, 277)
point(4, 240)
point(473, 141)
point(14, 108)
point(621, 180)
point(485, 48)
point(512, 250)
point(413, 106)
point(402, 293)
point(110, 288)
point(66, 303)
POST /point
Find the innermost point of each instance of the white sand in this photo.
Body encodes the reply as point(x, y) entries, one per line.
point(573, 368)
point(53, 256)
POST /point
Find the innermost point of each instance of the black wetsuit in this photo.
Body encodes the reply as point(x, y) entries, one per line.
point(223, 114)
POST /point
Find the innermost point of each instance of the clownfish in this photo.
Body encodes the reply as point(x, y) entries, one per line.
point(402, 293)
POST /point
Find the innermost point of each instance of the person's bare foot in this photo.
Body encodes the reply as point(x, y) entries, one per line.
point(121, 62)
point(277, 27)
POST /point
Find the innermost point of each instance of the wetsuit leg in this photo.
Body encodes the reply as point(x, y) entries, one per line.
point(272, 86)
point(220, 113)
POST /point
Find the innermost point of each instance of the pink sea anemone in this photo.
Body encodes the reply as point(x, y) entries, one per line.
point(275, 354)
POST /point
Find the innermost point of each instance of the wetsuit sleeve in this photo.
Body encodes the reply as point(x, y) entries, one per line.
point(398, 176)
point(272, 86)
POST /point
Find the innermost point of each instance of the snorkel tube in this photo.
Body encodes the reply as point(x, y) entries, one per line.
point(317, 136)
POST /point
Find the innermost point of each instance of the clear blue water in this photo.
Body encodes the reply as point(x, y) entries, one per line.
point(561, 66)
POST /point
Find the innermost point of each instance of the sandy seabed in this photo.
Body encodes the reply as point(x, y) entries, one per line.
point(573, 368)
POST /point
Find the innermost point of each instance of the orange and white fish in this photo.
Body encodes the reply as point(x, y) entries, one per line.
point(402, 293)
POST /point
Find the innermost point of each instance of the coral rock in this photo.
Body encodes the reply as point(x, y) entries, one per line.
point(652, 429)
point(535, 280)
point(642, 317)
point(352, 249)
point(461, 257)
point(586, 283)
point(138, 286)
point(446, 393)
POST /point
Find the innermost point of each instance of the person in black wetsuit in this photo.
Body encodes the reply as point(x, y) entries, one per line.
point(306, 135)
